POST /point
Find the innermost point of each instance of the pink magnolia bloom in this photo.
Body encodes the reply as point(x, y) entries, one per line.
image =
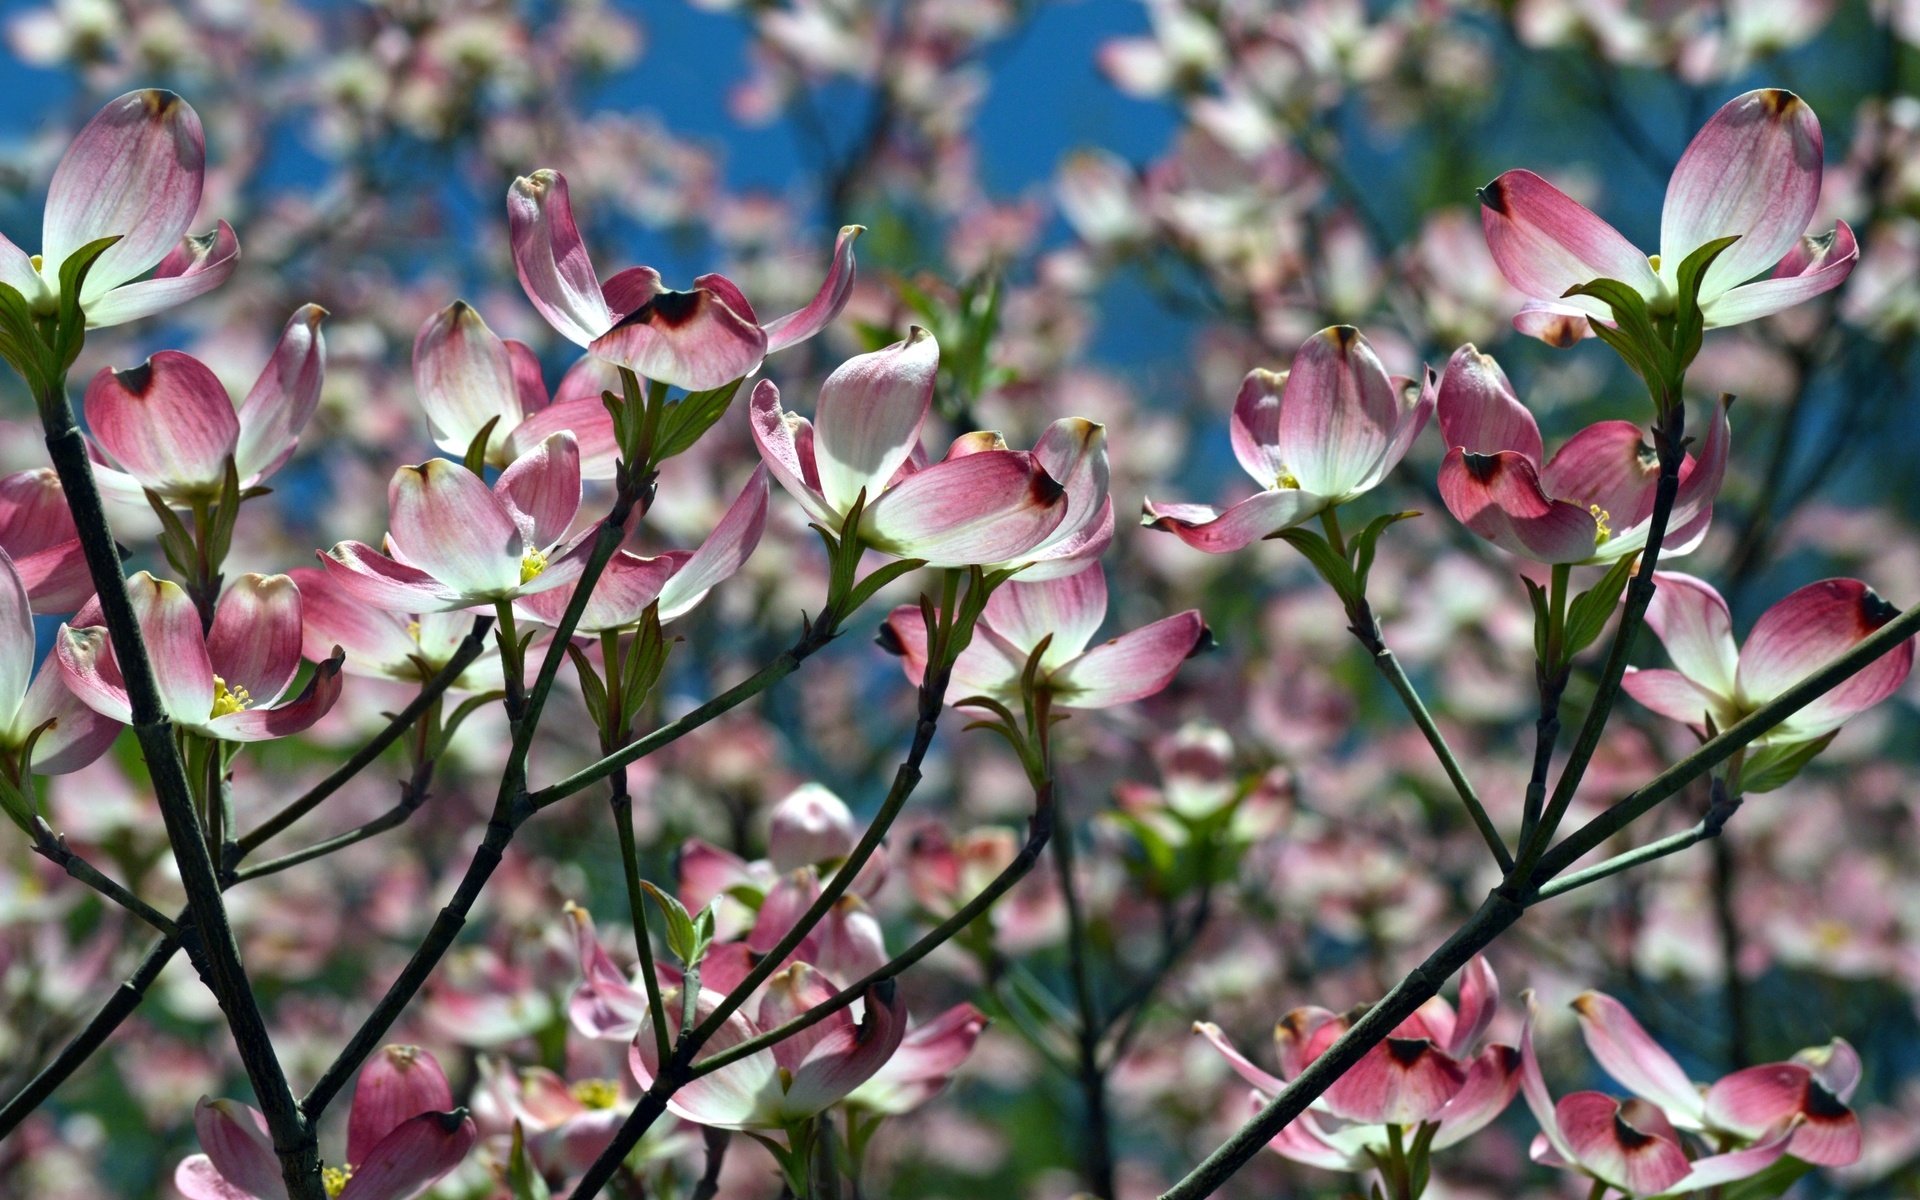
point(1716, 685)
point(982, 504)
point(171, 426)
point(380, 644)
point(403, 1135)
point(467, 376)
point(696, 339)
point(677, 581)
point(69, 734)
point(1435, 1067)
point(1632, 1145)
point(1592, 503)
point(1313, 437)
point(230, 682)
point(453, 542)
point(795, 1079)
point(134, 172)
point(1809, 1093)
point(1752, 172)
point(38, 534)
point(1070, 610)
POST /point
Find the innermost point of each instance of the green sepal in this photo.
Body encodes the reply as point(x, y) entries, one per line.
point(592, 690)
point(1542, 620)
point(687, 421)
point(683, 938)
point(1690, 323)
point(524, 1181)
point(1772, 767)
point(1331, 566)
point(1366, 542)
point(475, 459)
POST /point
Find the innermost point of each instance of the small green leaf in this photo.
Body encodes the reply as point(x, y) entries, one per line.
point(71, 329)
point(16, 804)
point(1541, 620)
point(1367, 541)
point(524, 1182)
point(681, 938)
point(686, 422)
point(1320, 553)
point(1773, 767)
point(1588, 614)
point(592, 690)
point(1690, 323)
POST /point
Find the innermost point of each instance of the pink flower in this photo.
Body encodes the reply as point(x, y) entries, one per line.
point(171, 426)
point(134, 172)
point(453, 542)
point(1752, 172)
point(982, 504)
point(566, 1125)
point(696, 340)
point(403, 1134)
point(1715, 684)
point(1810, 1092)
point(380, 644)
point(1593, 503)
point(467, 376)
point(797, 1078)
point(1313, 437)
point(1636, 1145)
point(677, 581)
point(230, 682)
point(1069, 610)
point(1433, 1068)
point(37, 706)
point(37, 532)
point(810, 826)
point(924, 1064)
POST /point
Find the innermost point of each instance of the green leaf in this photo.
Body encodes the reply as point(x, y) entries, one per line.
point(881, 577)
point(681, 936)
point(1542, 621)
point(15, 803)
point(225, 514)
point(475, 459)
point(1587, 615)
point(20, 342)
point(1772, 767)
point(70, 331)
point(175, 542)
point(524, 1182)
point(592, 690)
point(1768, 1184)
point(686, 422)
point(1635, 339)
point(1690, 324)
point(1320, 553)
point(1366, 542)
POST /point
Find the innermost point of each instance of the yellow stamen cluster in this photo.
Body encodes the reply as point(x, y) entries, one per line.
point(413, 631)
point(597, 1093)
point(229, 700)
point(334, 1179)
point(531, 564)
point(1602, 530)
point(1287, 481)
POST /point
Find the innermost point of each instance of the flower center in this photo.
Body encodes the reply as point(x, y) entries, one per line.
point(334, 1179)
point(597, 1093)
point(1601, 529)
point(531, 564)
point(1287, 481)
point(413, 631)
point(228, 700)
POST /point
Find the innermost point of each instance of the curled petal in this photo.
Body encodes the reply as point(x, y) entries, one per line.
point(1499, 497)
point(168, 422)
point(397, 1084)
point(786, 444)
point(869, 417)
point(1254, 428)
point(1131, 667)
point(1222, 531)
point(170, 625)
point(540, 490)
point(376, 640)
point(372, 578)
point(1242, 1066)
point(1693, 623)
point(551, 259)
point(1558, 325)
point(72, 734)
point(927, 1058)
point(1401, 1081)
point(989, 666)
point(847, 1054)
point(200, 263)
point(298, 714)
point(235, 1139)
point(979, 508)
point(17, 641)
point(1752, 172)
point(37, 531)
point(1479, 1000)
point(826, 304)
point(1836, 1065)
point(724, 552)
point(1545, 242)
point(591, 425)
point(465, 377)
point(447, 523)
point(1755, 1101)
point(1339, 414)
point(741, 1095)
point(1492, 1081)
point(605, 1005)
point(86, 662)
point(1478, 410)
point(1818, 265)
point(284, 398)
point(1675, 696)
point(408, 1161)
point(627, 586)
point(1632, 1057)
point(1613, 1141)
point(1533, 1085)
point(1805, 631)
point(1069, 610)
point(135, 171)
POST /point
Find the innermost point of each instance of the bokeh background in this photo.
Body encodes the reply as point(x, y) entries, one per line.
point(1159, 197)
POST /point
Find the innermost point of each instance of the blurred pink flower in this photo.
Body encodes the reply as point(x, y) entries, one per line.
point(37, 532)
point(37, 706)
